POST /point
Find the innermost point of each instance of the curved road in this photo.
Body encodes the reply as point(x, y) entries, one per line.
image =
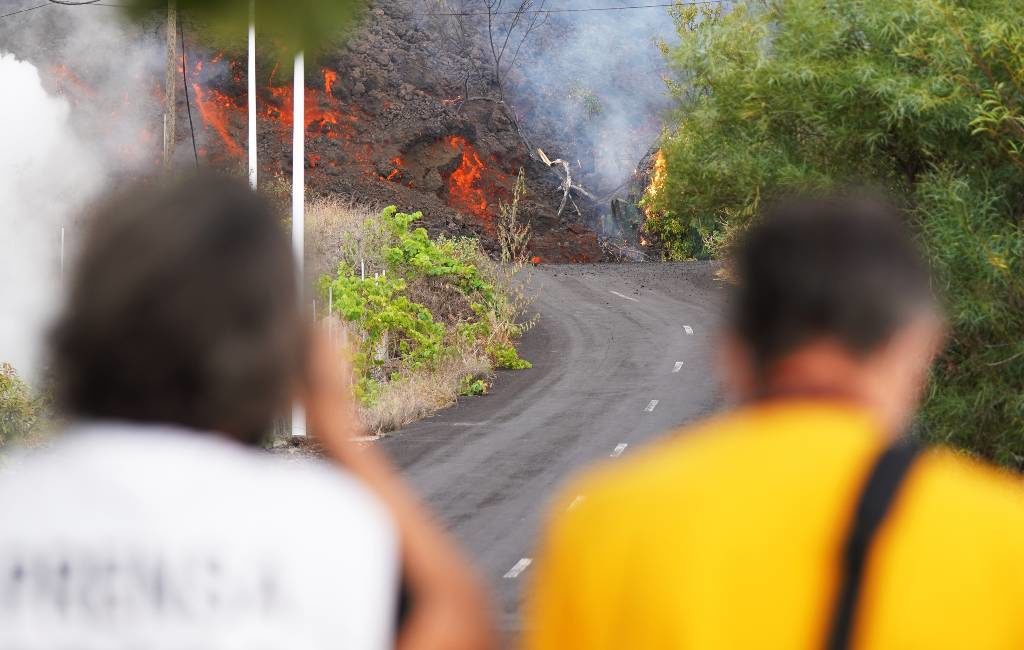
point(621, 354)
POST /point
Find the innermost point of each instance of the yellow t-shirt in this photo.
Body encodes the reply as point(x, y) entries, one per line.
point(729, 535)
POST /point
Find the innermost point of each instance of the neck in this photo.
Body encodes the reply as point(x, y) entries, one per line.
point(826, 371)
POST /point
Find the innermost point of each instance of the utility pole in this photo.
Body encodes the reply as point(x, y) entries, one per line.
point(252, 93)
point(299, 199)
point(170, 77)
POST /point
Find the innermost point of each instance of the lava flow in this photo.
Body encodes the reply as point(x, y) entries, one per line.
point(463, 190)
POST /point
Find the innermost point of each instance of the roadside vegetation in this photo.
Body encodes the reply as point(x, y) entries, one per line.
point(428, 318)
point(23, 411)
point(921, 98)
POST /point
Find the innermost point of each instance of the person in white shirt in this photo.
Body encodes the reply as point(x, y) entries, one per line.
point(154, 521)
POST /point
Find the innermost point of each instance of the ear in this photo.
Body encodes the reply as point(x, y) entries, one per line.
point(735, 363)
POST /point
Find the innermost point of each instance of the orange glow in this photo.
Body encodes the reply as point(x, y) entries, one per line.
point(463, 190)
point(397, 162)
point(330, 76)
point(69, 79)
point(452, 100)
point(215, 108)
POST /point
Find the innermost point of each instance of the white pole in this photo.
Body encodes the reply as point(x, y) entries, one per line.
point(62, 253)
point(252, 93)
point(299, 198)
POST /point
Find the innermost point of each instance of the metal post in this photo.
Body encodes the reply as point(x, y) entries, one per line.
point(299, 199)
point(252, 93)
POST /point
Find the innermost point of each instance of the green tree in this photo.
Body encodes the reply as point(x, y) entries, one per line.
point(921, 98)
point(297, 24)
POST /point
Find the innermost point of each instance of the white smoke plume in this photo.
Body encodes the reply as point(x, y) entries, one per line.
point(46, 171)
point(82, 93)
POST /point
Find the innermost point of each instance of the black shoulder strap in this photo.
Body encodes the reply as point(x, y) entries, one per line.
point(883, 483)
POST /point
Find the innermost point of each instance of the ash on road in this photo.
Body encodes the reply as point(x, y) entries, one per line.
point(622, 355)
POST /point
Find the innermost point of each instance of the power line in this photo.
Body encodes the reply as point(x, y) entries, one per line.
point(184, 82)
point(64, 3)
point(662, 5)
point(21, 11)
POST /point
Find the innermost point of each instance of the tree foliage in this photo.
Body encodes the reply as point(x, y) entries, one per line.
point(921, 98)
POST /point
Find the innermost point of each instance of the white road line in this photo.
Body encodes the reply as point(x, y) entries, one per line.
point(619, 448)
point(688, 330)
point(678, 366)
point(653, 404)
point(626, 297)
point(518, 568)
point(575, 502)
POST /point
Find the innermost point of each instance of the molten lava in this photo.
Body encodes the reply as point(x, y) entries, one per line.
point(215, 108)
point(330, 76)
point(397, 162)
point(463, 190)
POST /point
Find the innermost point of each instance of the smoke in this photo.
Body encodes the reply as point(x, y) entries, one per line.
point(45, 172)
point(81, 109)
point(598, 79)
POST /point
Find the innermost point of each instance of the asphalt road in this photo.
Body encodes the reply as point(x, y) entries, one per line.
point(609, 341)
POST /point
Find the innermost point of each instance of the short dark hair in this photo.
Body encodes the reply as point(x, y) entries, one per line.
point(183, 309)
point(840, 267)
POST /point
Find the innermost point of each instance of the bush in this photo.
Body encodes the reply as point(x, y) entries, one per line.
point(422, 311)
point(922, 98)
point(22, 412)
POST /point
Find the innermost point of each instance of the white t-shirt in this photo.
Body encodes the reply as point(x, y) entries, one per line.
point(123, 536)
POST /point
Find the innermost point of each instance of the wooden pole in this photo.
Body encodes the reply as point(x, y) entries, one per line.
point(170, 79)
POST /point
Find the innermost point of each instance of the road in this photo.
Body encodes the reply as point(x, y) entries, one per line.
point(621, 355)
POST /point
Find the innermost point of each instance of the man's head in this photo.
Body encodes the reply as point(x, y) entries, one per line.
point(833, 297)
point(182, 309)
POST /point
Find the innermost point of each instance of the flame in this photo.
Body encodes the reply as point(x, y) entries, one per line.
point(215, 108)
point(659, 172)
point(451, 101)
point(398, 163)
point(463, 190)
point(330, 76)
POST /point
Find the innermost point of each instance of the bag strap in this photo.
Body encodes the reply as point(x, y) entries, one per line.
point(876, 498)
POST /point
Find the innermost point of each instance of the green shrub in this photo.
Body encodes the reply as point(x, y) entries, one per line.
point(427, 302)
point(506, 356)
point(923, 98)
point(21, 410)
point(472, 386)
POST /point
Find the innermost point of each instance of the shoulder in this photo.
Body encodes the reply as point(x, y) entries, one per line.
point(962, 483)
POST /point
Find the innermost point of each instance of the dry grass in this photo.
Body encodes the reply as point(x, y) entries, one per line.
point(419, 394)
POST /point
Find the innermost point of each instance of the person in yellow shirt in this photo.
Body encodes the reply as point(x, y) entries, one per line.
point(805, 517)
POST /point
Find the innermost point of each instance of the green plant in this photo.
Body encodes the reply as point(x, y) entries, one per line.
point(506, 356)
point(21, 411)
point(428, 311)
point(922, 98)
point(472, 386)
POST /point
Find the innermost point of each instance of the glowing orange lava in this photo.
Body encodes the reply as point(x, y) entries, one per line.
point(215, 108)
point(463, 192)
point(397, 162)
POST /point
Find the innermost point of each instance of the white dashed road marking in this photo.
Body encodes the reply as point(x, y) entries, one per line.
point(619, 448)
point(626, 297)
point(653, 404)
point(688, 330)
point(678, 366)
point(575, 502)
point(518, 568)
